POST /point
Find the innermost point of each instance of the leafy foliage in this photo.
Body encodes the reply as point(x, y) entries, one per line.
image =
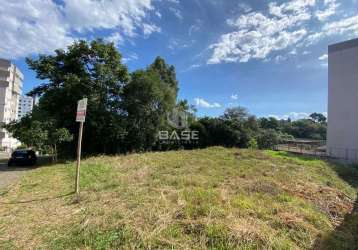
point(93, 70)
point(147, 99)
point(40, 135)
point(29, 132)
point(267, 139)
point(317, 117)
point(239, 128)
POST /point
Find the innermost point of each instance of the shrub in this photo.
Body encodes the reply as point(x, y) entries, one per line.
point(267, 139)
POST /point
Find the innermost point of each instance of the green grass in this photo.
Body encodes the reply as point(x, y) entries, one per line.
point(214, 198)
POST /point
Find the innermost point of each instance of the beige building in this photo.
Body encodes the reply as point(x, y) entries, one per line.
point(10, 91)
point(342, 133)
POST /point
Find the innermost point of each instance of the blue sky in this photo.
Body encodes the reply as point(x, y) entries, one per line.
point(269, 56)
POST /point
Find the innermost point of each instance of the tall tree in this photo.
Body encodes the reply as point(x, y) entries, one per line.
point(166, 73)
point(93, 70)
point(147, 99)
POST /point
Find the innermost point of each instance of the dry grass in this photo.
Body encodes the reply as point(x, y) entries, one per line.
point(214, 198)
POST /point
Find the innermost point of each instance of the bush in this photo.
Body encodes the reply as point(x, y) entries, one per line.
point(267, 139)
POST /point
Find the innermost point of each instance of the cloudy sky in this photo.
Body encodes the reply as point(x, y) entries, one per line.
point(269, 56)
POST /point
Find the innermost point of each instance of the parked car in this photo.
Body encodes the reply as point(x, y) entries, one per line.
point(23, 157)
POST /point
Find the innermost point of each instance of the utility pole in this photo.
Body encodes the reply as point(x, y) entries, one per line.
point(80, 117)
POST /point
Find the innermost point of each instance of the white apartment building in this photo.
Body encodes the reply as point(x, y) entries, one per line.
point(26, 104)
point(342, 132)
point(10, 90)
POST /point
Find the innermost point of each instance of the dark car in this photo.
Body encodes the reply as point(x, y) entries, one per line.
point(23, 157)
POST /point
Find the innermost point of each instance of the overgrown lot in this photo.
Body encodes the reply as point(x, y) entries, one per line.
point(214, 198)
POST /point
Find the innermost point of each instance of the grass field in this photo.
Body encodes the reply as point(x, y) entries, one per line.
point(214, 198)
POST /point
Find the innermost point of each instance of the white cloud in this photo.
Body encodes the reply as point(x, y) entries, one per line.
point(158, 14)
point(125, 15)
point(245, 45)
point(331, 5)
point(176, 12)
point(280, 58)
point(195, 27)
point(40, 26)
point(150, 28)
point(115, 38)
point(176, 44)
point(195, 66)
point(293, 52)
point(256, 35)
point(323, 57)
point(200, 102)
point(234, 97)
point(34, 26)
point(292, 115)
point(245, 7)
point(343, 26)
point(312, 39)
point(130, 57)
point(297, 115)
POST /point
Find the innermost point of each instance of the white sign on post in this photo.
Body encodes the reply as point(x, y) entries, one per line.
point(80, 117)
point(81, 110)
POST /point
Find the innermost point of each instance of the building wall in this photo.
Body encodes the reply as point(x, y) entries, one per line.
point(10, 90)
point(25, 106)
point(342, 133)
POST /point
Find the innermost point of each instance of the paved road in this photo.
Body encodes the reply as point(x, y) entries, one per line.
point(9, 175)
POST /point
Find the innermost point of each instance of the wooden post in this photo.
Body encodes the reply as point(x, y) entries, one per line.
point(79, 144)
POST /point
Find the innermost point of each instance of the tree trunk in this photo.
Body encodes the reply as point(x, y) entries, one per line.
point(55, 152)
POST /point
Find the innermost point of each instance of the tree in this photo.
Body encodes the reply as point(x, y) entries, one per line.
point(29, 132)
point(242, 122)
point(269, 123)
point(318, 117)
point(215, 131)
point(57, 137)
point(236, 115)
point(41, 136)
point(146, 100)
point(304, 128)
point(166, 73)
point(86, 69)
point(267, 139)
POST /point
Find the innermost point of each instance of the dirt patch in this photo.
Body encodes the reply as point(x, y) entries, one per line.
point(9, 175)
point(333, 202)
